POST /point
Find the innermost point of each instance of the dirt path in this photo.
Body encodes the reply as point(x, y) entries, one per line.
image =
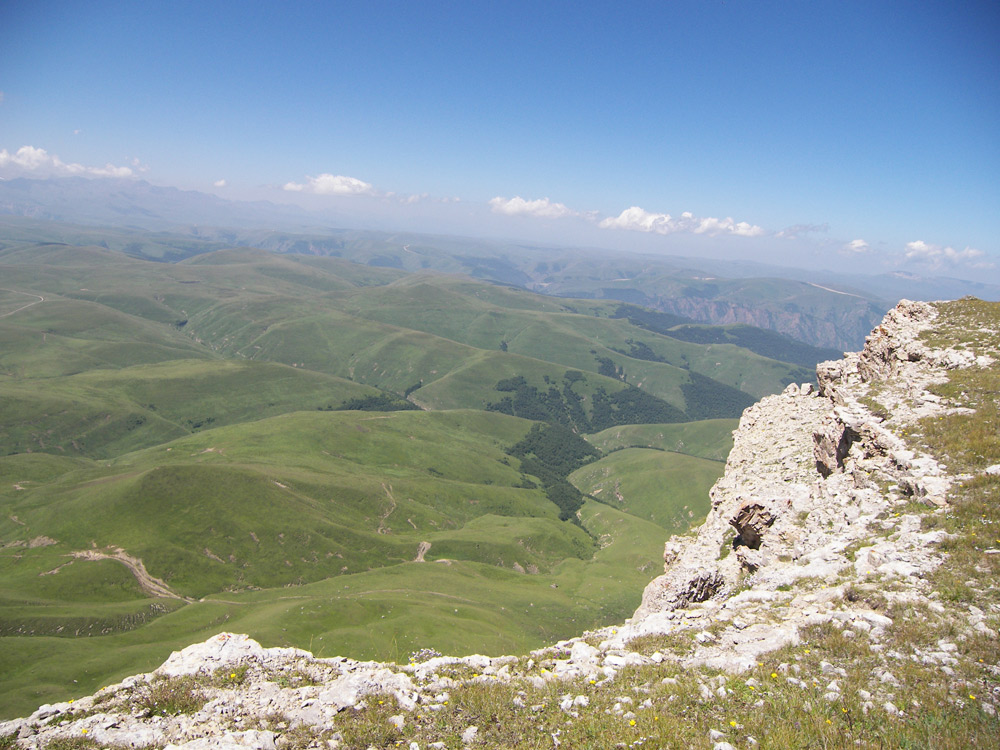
point(421, 551)
point(835, 291)
point(381, 523)
point(149, 584)
point(22, 307)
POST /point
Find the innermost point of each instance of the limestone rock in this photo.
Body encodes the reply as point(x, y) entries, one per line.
point(803, 484)
point(814, 490)
point(750, 522)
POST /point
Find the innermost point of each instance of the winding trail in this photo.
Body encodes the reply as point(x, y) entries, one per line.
point(149, 584)
point(22, 307)
point(382, 529)
point(835, 291)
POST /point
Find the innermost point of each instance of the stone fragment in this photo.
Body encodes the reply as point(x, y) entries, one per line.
point(751, 522)
point(831, 444)
point(469, 735)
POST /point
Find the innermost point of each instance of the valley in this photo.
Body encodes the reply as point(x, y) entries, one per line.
point(354, 459)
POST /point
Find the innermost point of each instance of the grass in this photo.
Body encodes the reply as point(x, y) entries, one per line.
point(969, 443)
point(780, 704)
point(668, 489)
point(168, 696)
point(711, 439)
point(171, 410)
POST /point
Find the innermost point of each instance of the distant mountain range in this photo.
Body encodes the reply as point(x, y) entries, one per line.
point(826, 310)
point(367, 442)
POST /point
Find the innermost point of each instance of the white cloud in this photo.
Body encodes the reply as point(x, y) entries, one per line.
point(108, 170)
point(926, 252)
point(329, 184)
point(639, 220)
point(542, 207)
point(794, 232)
point(219, 183)
point(31, 159)
point(856, 246)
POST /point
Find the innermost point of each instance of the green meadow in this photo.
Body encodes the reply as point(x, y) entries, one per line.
point(176, 458)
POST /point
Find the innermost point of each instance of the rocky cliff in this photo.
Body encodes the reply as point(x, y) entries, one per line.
point(818, 523)
point(841, 329)
point(812, 492)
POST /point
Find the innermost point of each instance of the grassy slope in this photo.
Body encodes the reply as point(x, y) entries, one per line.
point(104, 413)
point(709, 438)
point(569, 332)
point(228, 490)
point(668, 489)
point(302, 497)
point(385, 613)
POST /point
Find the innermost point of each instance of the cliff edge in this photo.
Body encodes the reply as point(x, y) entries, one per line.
point(805, 611)
point(818, 489)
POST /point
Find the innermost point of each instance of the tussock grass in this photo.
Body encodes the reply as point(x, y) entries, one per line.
point(169, 696)
point(780, 704)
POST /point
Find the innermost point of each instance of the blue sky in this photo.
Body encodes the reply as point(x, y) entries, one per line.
point(860, 134)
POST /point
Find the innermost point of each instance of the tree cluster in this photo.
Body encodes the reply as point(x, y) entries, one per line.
point(551, 453)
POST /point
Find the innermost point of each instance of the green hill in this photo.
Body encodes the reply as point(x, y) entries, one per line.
point(175, 457)
point(710, 438)
point(668, 489)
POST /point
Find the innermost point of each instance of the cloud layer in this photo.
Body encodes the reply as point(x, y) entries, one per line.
point(331, 184)
point(542, 207)
point(639, 220)
point(31, 159)
point(634, 219)
point(936, 255)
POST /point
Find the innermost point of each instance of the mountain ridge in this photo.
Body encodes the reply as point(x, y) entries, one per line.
point(812, 605)
point(823, 308)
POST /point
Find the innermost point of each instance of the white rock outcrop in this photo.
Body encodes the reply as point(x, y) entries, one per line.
point(810, 494)
point(812, 504)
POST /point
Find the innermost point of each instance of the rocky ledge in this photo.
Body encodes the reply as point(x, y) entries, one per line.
point(815, 492)
point(820, 496)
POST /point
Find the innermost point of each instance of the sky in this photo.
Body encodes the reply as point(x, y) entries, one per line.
point(842, 135)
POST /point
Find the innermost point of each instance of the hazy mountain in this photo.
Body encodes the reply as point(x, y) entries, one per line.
point(135, 203)
point(820, 308)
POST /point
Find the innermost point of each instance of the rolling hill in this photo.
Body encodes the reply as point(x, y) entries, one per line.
point(221, 442)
